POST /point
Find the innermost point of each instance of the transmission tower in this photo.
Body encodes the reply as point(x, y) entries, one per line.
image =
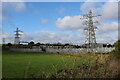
point(90, 30)
point(17, 36)
point(3, 41)
point(3, 37)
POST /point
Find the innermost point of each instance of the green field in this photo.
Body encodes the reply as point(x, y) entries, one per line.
point(19, 64)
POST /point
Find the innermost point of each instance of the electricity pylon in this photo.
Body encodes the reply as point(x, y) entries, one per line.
point(90, 30)
point(17, 36)
point(3, 38)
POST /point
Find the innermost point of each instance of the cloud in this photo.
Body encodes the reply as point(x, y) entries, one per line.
point(108, 28)
point(109, 10)
point(52, 37)
point(26, 37)
point(0, 12)
point(108, 23)
point(44, 21)
point(9, 7)
point(2, 19)
point(60, 0)
point(69, 22)
point(62, 37)
point(85, 7)
point(8, 37)
point(101, 0)
point(107, 38)
point(12, 0)
point(16, 6)
point(20, 6)
point(107, 32)
point(47, 37)
point(111, 27)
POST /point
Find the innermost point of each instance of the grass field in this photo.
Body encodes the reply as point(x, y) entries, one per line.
point(37, 65)
point(16, 64)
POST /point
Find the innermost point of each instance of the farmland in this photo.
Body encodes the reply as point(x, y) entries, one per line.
point(19, 64)
point(48, 65)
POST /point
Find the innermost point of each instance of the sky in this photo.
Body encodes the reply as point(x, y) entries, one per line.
point(53, 22)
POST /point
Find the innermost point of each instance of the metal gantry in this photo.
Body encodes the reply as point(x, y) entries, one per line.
point(90, 30)
point(17, 36)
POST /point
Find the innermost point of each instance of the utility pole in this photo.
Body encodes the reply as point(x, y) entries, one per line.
point(3, 38)
point(90, 30)
point(3, 41)
point(17, 36)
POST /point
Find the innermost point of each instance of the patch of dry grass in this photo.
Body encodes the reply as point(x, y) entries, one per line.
point(105, 67)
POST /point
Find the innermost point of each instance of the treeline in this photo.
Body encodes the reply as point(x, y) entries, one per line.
point(116, 53)
point(31, 44)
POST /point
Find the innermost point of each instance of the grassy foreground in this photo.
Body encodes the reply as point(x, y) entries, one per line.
point(46, 65)
point(27, 65)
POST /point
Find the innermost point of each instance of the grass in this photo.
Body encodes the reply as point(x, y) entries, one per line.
point(43, 65)
point(19, 64)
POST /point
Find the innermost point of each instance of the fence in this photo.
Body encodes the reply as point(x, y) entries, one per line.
point(63, 50)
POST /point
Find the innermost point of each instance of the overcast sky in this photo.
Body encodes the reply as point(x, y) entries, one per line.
point(53, 22)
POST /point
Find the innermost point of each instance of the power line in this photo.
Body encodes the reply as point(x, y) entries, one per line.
point(17, 36)
point(90, 30)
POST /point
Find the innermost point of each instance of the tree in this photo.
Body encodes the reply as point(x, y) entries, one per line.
point(104, 45)
point(109, 45)
point(31, 43)
point(9, 44)
point(37, 44)
point(67, 44)
point(117, 49)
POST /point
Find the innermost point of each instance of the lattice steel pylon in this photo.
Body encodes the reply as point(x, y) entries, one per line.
point(17, 36)
point(3, 37)
point(90, 30)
